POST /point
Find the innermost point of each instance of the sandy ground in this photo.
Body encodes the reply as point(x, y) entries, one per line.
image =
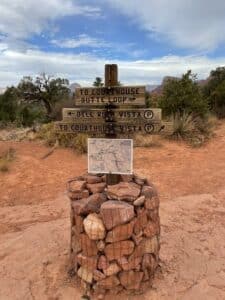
point(34, 221)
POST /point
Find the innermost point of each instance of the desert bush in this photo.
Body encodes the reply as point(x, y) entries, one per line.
point(143, 140)
point(195, 130)
point(45, 90)
point(184, 124)
point(6, 158)
point(181, 96)
point(77, 142)
point(4, 166)
point(28, 115)
point(8, 106)
point(214, 92)
point(80, 143)
point(57, 109)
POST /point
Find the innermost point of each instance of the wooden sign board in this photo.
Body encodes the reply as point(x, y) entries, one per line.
point(79, 115)
point(116, 95)
point(118, 128)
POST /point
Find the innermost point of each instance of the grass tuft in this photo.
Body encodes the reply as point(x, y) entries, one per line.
point(6, 158)
point(195, 130)
point(148, 141)
point(77, 142)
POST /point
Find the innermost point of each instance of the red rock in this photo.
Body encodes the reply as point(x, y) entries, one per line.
point(85, 274)
point(116, 213)
point(79, 195)
point(108, 282)
point(148, 191)
point(94, 227)
point(140, 201)
point(120, 233)
point(98, 275)
point(79, 224)
point(149, 262)
point(141, 221)
point(92, 179)
point(101, 245)
point(124, 191)
point(119, 249)
point(147, 245)
point(89, 205)
point(139, 181)
point(103, 263)
point(153, 215)
point(79, 206)
point(145, 285)
point(89, 263)
point(151, 245)
point(129, 264)
point(146, 275)
point(137, 238)
point(116, 290)
point(112, 269)
point(77, 186)
point(152, 203)
point(131, 280)
point(97, 187)
point(151, 229)
point(88, 246)
point(127, 178)
point(76, 243)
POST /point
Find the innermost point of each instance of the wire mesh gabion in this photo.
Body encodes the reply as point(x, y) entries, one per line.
point(115, 234)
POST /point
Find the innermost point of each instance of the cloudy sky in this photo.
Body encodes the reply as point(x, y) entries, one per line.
point(148, 39)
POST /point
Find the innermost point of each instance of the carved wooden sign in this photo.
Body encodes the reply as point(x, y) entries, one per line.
point(116, 95)
point(83, 115)
point(112, 110)
point(118, 128)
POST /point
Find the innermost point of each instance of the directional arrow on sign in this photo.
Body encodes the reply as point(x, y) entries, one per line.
point(82, 115)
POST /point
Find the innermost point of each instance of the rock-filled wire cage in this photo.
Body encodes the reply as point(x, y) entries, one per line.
point(115, 232)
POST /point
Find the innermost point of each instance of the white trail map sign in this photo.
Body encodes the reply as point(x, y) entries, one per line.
point(110, 156)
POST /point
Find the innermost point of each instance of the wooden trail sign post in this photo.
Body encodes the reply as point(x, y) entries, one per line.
point(127, 115)
point(111, 79)
point(112, 110)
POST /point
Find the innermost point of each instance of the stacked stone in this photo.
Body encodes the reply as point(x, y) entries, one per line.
point(115, 233)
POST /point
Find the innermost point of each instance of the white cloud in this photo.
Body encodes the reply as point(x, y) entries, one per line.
point(83, 68)
point(194, 24)
point(82, 40)
point(20, 19)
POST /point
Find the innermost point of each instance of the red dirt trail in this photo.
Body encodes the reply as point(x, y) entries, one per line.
point(34, 220)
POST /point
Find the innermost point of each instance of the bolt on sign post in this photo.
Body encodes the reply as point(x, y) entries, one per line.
point(109, 111)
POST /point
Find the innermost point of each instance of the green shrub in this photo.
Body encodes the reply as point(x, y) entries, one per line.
point(181, 96)
point(8, 106)
point(29, 115)
point(214, 92)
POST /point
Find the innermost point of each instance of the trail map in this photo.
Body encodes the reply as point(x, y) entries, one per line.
point(110, 156)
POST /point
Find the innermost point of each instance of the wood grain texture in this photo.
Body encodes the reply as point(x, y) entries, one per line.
point(82, 115)
point(117, 95)
point(119, 128)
